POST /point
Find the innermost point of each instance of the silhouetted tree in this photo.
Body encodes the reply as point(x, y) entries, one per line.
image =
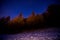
point(54, 14)
point(33, 13)
point(39, 19)
point(2, 20)
point(19, 20)
point(54, 9)
point(20, 15)
point(31, 18)
point(45, 17)
point(7, 19)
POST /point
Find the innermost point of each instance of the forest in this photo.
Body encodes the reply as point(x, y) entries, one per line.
point(50, 18)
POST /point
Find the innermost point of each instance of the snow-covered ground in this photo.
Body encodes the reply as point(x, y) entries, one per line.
point(45, 34)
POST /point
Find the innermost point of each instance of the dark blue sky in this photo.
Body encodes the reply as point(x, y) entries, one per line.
point(12, 8)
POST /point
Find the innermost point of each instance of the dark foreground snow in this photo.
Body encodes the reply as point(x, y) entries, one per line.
point(45, 34)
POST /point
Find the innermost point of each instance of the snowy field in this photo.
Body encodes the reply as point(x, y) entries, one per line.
point(46, 34)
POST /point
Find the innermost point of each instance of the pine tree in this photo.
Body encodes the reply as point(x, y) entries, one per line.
point(20, 15)
point(33, 13)
point(31, 19)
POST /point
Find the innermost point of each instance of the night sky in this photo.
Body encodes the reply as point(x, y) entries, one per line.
point(12, 8)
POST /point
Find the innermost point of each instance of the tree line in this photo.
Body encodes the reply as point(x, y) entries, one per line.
point(49, 18)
